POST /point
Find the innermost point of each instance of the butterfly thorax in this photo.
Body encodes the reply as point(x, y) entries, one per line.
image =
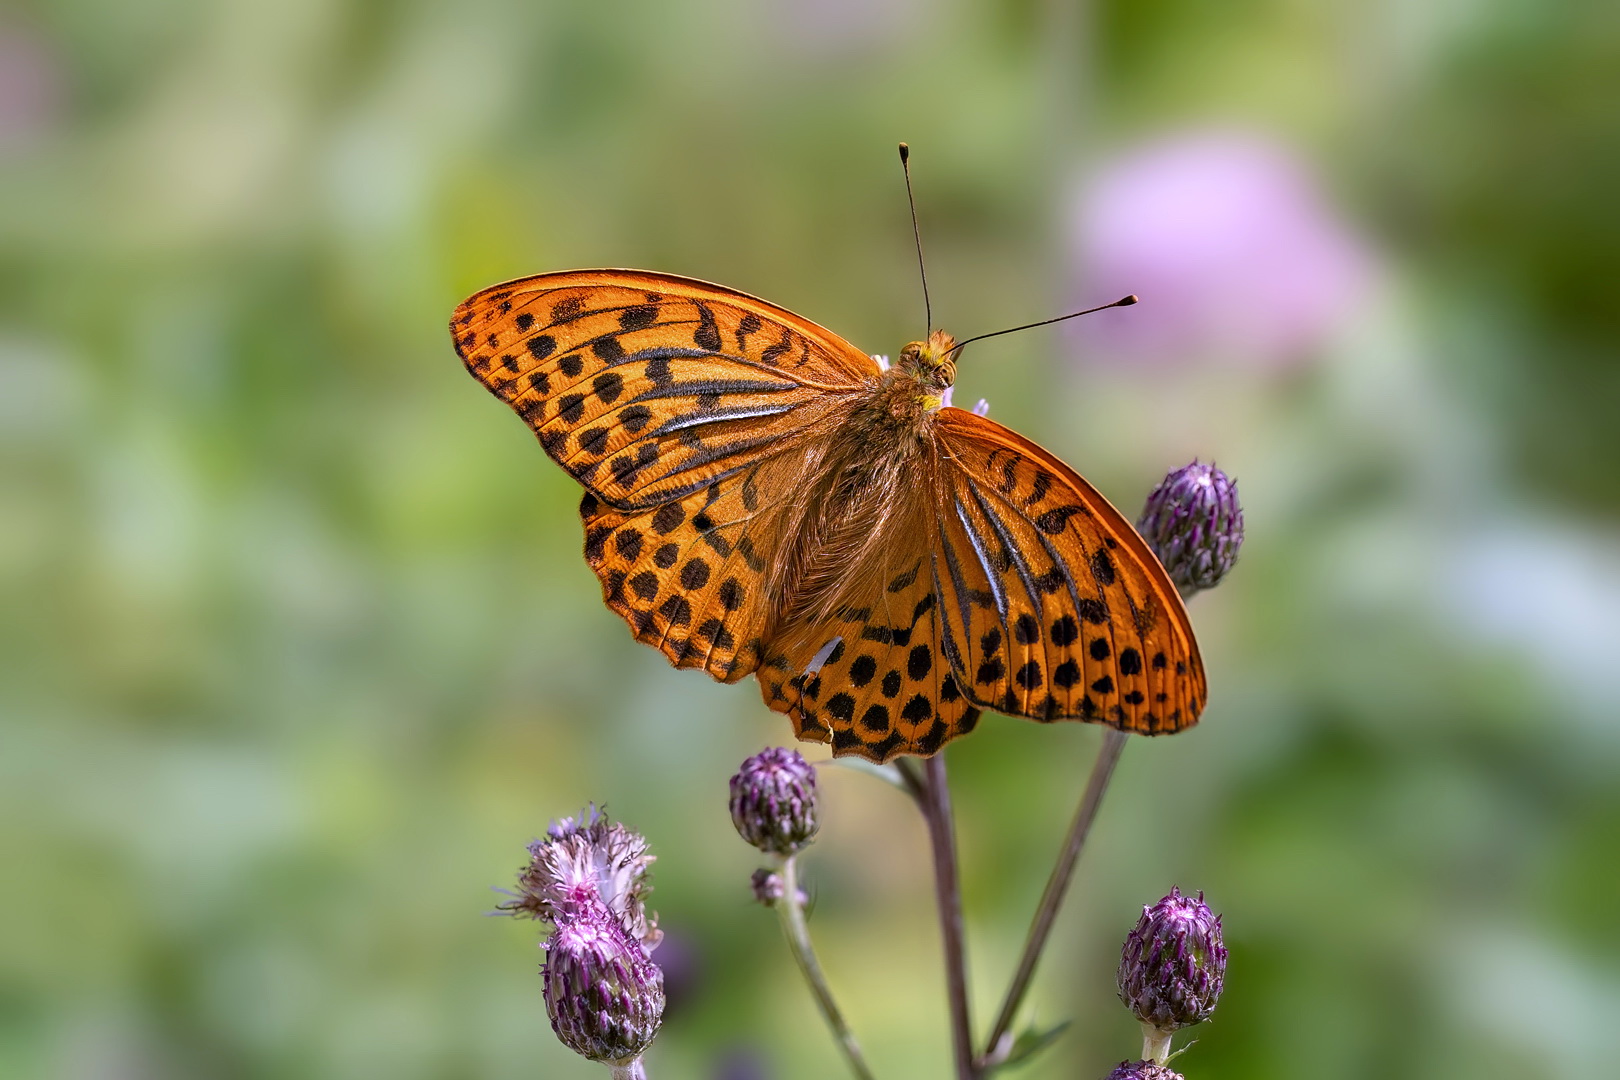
point(932, 365)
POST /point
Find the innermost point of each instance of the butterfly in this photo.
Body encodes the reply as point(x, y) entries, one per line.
point(762, 497)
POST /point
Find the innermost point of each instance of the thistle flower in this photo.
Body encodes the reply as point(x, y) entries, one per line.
point(1194, 524)
point(773, 801)
point(1172, 967)
point(604, 994)
point(584, 858)
point(1142, 1070)
point(1192, 220)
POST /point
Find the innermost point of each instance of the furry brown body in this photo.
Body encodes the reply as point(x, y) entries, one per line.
point(861, 486)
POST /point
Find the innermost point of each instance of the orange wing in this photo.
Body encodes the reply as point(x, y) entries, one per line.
point(1007, 583)
point(648, 387)
point(684, 409)
point(1052, 607)
point(872, 678)
point(691, 576)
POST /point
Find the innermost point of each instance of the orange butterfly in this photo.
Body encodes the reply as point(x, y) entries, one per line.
point(762, 497)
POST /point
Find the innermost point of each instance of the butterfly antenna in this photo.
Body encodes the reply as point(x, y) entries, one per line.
point(916, 234)
point(1125, 301)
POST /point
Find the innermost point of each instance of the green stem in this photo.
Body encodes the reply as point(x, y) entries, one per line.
point(948, 892)
point(1155, 1044)
point(1057, 886)
point(798, 938)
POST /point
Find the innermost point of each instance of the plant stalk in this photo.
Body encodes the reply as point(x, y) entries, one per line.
point(1057, 886)
point(1155, 1044)
point(948, 893)
point(797, 933)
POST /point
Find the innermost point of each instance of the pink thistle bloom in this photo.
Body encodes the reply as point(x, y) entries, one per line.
point(1237, 254)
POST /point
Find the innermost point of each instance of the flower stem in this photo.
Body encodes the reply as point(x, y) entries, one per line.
point(948, 892)
point(996, 1047)
point(633, 1071)
point(1155, 1044)
point(798, 937)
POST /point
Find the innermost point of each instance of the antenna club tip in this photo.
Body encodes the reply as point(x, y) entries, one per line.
point(905, 153)
point(1127, 302)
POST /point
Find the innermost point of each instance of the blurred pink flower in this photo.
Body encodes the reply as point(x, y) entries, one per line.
point(1236, 253)
point(831, 26)
point(31, 87)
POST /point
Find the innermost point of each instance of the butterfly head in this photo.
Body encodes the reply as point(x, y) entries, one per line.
point(932, 362)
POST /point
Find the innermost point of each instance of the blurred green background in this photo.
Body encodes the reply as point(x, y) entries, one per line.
point(299, 650)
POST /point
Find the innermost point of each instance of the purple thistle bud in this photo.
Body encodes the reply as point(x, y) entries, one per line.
point(1173, 964)
point(583, 859)
point(768, 887)
point(1142, 1070)
point(1194, 524)
point(604, 994)
point(773, 801)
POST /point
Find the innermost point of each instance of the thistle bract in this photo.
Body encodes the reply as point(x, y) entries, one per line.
point(1173, 964)
point(1142, 1070)
point(604, 994)
point(773, 801)
point(1194, 524)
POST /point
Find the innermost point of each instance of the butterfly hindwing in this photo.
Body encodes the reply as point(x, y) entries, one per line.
point(872, 680)
point(1053, 607)
point(647, 387)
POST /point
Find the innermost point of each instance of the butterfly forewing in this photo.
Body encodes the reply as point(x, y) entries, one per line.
point(1053, 607)
point(683, 408)
point(648, 387)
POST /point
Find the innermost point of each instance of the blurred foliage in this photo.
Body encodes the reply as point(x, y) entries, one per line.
point(299, 650)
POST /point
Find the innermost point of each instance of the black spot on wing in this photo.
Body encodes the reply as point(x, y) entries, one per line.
point(707, 335)
point(668, 517)
point(1093, 611)
point(638, 317)
point(774, 353)
point(749, 324)
point(862, 670)
point(1056, 520)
